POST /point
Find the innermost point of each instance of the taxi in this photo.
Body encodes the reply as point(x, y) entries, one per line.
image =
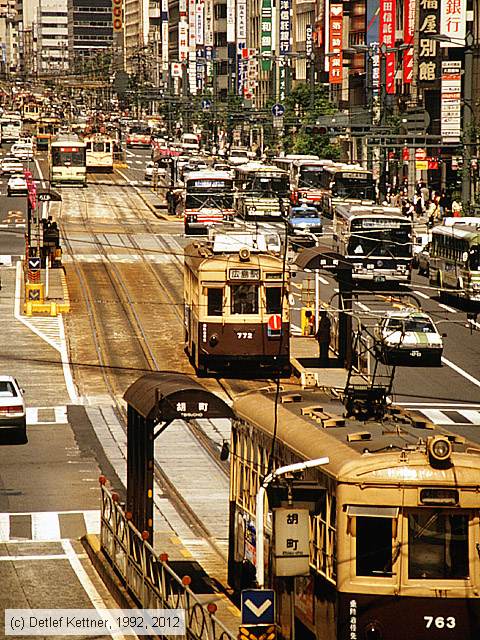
point(408, 337)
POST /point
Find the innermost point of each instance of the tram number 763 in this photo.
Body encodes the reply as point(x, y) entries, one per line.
point(439, 622)
point(245, 335)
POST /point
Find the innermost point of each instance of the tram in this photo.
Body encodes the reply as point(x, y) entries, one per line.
point(67, 161)
point(394, 532)
point(99, 152)
point(236, 304)
point(46, 129)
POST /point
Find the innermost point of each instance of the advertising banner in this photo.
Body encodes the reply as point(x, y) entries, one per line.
point(266, 34)
point(387, 37)
point(453, 21)
point(451, 101)
point(428, 60)
point(335, 75)
point(408, 33)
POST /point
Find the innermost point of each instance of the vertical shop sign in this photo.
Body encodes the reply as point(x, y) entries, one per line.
point(266, 34)
point(284, 27)
point(183, 40)
point(335, 75)
point(372, 41)
point(428, 64)
point(451, 101)
point(241, 44)
point(209, 23)
point(230, 20)
point(453, 21)
point(387, 37)
point(308, 40)
point(199, 23)
point(408, 33)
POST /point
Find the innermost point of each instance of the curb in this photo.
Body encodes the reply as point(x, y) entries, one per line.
point(91, 544)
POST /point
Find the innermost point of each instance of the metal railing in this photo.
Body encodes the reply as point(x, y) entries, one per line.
point(148, 578)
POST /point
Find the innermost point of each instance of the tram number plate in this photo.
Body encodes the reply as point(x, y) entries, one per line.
point(245, 335)
point(379, 278)
point(439, 622)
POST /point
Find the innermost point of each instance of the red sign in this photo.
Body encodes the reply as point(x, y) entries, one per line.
point(335, 66)
point(387, 37)
point(275, 322)
point(432, 163)
point(405, 154)
point(408, 32)
point(420, 154)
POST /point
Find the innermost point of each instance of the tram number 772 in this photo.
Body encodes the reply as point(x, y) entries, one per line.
point(245, 335)
point(439, 622)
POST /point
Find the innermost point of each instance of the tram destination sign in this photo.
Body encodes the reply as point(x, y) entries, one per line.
point(244, 274)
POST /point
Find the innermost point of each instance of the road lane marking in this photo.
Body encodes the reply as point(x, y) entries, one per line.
point(463, 373)
point(437, 417)
point(447, 308)
point(362, 306)
point(421, 294)
point(323, 280)
point(45, 526)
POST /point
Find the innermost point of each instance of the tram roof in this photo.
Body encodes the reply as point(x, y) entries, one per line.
point(356, 450)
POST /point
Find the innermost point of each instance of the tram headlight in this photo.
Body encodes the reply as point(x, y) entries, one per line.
point(373, 631)
point(439, 448)
point(213, 340)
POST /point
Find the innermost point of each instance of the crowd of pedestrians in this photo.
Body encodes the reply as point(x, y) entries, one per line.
point(425, 204)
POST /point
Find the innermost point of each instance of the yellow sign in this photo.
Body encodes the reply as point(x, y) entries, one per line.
point(421, 165)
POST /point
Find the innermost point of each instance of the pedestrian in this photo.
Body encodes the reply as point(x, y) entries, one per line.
point(456, 209)
point(323, 337)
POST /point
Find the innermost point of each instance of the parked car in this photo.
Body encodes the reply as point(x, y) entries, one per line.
point(10, 165)
point(17, 186)
point(408, 337)
point(13, 413)
point(423, 260)
point(304, 224)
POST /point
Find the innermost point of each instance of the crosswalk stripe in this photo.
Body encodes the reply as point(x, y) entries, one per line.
point(45, 526)
point(437, 417)
point(471, 415)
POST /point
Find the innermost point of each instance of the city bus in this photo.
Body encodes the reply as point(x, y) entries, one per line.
point(454, 261)
point(67, 161)
point(378, 241)
point(46, 129)
point(305, 178)
point(262, 192)
point(208, 199)
point(345, 183)
point(99, 151)
point(11, 127)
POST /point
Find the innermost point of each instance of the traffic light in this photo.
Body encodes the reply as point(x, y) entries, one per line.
point(316, 130)
point(117, 15)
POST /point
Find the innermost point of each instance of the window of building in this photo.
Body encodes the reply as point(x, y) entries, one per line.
point(220, 38)
point(220, 11)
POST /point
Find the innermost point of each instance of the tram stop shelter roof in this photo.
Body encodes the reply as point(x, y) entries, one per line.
point(171, 396)
point(321, 257)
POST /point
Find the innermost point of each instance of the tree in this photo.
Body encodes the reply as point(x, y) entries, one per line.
point(316, 144)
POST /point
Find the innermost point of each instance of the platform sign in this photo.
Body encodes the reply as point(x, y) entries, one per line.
point(292, 544)
point(258, 606)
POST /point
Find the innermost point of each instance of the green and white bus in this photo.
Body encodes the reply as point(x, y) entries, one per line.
point(455, 257)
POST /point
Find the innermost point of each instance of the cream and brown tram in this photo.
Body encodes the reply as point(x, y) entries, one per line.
point(236, 305)
point(99, 152)
point(394, 520)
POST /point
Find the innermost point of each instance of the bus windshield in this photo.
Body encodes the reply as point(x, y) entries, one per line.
point(70, 156)
point(268, 187)
point(213, 200)
point(310, 177)
point(353, 186)
point(368, 240)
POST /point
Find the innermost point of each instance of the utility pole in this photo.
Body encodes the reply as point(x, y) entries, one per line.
point(467, 123)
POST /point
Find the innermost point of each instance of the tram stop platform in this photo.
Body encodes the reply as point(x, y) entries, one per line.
point(47, 295)
point(304, 358)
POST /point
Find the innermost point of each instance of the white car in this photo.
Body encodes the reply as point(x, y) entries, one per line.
point(150, 168)
point(238, 156)
point(17, 186)
point(408, 337)
point(10, 165)
point(12, 407)
point(22, 151)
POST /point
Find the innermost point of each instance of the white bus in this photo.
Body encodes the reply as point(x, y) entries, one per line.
point(306, 181)
point(67, 161)
point(262, 192)
point(208, 199)
point(99, 152)
point(378, 241)
point(11, 127)
point(345, 183)
point(454, 261)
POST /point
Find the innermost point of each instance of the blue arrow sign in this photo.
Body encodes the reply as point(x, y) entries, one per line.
point(258, 606)
point(206, 104)
point(34, 264)
point(278, 110)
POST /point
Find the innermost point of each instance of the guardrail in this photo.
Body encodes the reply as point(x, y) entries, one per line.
point(148, 577)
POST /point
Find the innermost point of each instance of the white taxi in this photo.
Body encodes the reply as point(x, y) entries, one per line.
point(408, 337)
point(12, 407)
point(17, 186)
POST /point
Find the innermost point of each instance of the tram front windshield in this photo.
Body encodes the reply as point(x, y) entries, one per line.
point(70, 156)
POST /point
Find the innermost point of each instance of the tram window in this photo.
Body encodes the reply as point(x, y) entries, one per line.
point(214, 301)
point(98, 146)
point(437, 545)
point(273, 297)
point(374, 546)
point(244, 298)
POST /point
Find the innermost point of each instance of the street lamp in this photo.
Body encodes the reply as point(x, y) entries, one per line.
point(260, 503)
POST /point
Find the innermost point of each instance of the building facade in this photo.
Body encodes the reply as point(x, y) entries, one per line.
point(90, 36)
point(52, 37)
